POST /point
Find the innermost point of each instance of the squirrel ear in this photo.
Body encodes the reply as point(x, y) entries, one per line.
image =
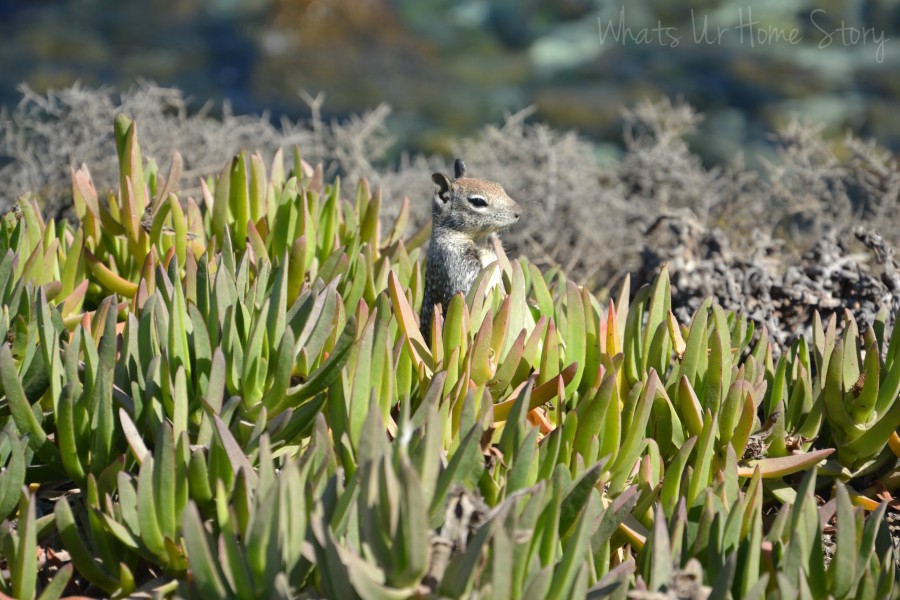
point(443, 184)
point(460, 168)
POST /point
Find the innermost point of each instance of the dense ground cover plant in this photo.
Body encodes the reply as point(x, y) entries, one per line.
point(230, 397)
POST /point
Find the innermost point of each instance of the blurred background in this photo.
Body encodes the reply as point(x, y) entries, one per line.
point(448, 67)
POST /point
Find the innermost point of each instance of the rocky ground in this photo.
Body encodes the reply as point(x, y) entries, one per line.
point(854, 270)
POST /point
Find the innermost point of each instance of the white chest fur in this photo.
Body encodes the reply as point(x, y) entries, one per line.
point(487, 256)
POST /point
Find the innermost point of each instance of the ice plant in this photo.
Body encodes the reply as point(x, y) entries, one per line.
point(231, 397)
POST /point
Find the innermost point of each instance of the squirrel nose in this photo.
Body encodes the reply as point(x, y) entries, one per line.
point(517, 211)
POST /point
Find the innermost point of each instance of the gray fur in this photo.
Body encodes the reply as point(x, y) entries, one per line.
point(467, 216)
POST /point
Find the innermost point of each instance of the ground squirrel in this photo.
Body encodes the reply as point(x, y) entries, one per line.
point(467, 214)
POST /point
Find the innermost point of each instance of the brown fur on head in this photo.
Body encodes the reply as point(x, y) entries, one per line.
point(471, 206)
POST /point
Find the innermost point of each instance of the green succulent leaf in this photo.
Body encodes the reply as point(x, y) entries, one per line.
point(12, 472)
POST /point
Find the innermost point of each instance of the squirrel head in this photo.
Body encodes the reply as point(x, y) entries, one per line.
point(475, 207)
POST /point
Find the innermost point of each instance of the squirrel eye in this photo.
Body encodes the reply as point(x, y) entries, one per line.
point(478, 201)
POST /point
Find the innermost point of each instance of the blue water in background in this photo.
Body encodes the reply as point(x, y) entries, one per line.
point(447, 67)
